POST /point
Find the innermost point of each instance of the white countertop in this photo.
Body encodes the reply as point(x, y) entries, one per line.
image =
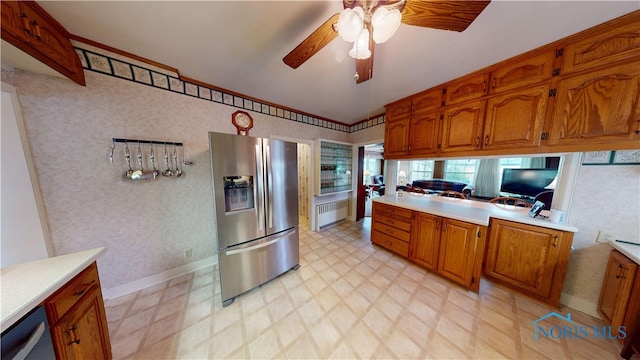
point(629, 250)
point(475, 212)
point(25, 286)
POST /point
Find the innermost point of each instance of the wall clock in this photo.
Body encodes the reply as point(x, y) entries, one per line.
point(242, 121)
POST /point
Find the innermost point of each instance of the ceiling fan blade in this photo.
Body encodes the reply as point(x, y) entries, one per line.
point(442, 14)
point(364, 67)
point(313, 43)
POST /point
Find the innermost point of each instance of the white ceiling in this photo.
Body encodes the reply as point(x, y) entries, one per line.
point(239, 46)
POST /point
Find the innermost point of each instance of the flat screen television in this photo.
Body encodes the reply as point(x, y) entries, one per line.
point(527, 182)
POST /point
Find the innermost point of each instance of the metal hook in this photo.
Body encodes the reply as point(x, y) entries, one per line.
point(111, 152)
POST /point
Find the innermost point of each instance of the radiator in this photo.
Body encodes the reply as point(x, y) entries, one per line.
point(331, 213)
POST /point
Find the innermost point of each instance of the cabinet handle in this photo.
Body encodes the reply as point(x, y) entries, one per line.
point(72, 333)
point(25, 24)
point(444, 227)
point(438, 224)
point(620, 271)
point(494, 83)
point(36, 30)
point(484, 88)
point(478, 141)
point(486, 140)
point(555, 241)
point(84, 288)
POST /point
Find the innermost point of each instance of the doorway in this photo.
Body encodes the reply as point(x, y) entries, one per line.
point(371, 182)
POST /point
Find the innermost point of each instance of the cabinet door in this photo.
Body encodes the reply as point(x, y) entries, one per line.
point(423, 133)
point(522, 73)
point(515, 119)
point(620, 40)
point(467, 88)
point(523, 256)
point(616, 289)
point(425, 240)
point(12, 20)
point(462, 127)
point(396, 137)
point(427, 101)
point(458, 247)
point(398, 110)
point(598, 107)
point(82, 332)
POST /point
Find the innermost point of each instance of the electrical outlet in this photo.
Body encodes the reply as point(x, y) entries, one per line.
point(188, 253)
point(604, 237)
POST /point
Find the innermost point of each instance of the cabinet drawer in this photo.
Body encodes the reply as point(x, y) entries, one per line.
point(399, 224)
point(391, 243)
point(391, 231)
point(391, 211)
point(60, 302)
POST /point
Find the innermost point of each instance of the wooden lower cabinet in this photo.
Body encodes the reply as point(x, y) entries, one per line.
point(615, 295)
point(391, 228)
point(529, 259)
point(460, 254)
point(451, 248)
point(77, 318)
point(425, 240)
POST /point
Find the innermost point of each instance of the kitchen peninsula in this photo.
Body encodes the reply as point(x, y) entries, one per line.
point(69, 289)
point(462, 239)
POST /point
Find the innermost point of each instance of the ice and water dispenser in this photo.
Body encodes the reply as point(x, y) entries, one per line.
point(238, 193)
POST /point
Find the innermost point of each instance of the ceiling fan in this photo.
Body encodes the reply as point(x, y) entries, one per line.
point(380, 19)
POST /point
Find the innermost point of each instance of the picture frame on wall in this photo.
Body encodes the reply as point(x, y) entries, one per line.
point(596, 157)
point(627, 157)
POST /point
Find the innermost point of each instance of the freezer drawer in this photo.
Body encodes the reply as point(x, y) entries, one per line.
point(246, 266)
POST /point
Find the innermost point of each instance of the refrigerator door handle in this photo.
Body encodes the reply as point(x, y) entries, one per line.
point(264, 244)
point(269, 185)
point(257, 196)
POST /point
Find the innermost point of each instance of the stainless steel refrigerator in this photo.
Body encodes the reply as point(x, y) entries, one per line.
point(255, 191)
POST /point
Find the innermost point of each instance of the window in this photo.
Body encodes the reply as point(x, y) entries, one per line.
point(408, 171)
point(463, 170)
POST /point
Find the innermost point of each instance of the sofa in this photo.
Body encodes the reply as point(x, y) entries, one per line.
point(439, 185)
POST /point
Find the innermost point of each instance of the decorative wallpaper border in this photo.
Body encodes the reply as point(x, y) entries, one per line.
point(108, 65)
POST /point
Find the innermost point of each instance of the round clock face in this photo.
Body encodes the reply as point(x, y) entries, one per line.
point(243, 120)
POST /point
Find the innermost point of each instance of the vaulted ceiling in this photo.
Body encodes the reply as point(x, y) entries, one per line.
point(239, 46)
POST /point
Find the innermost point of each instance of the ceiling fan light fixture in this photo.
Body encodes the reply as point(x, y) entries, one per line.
point(385, 23)
point(360, 48)
point(350, 23)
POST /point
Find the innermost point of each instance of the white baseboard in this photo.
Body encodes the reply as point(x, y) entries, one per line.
point(148, 281)
point(580, 305)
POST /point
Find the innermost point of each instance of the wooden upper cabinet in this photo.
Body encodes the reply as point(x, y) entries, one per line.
point(515, 119)
point(411, 127)
point(424, 133)
point(12, 20)
point(466, 88)
point(598, 107)
point(396, 138)
point(618, 40)
point(398, 110)
point(427, 101)
point(522, 73)
point(31, 29)
point(462, 127)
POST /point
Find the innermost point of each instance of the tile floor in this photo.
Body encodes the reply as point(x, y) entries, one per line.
point(348, 300)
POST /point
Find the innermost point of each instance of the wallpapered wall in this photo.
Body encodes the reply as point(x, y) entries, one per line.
point(605, 198)
point(145, 225)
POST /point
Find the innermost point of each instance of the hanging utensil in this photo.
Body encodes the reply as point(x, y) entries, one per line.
point(142, 174)
point(178, 171)
point(111, 152)
point(152, 157)
point(127, 156)
point(167, 172)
